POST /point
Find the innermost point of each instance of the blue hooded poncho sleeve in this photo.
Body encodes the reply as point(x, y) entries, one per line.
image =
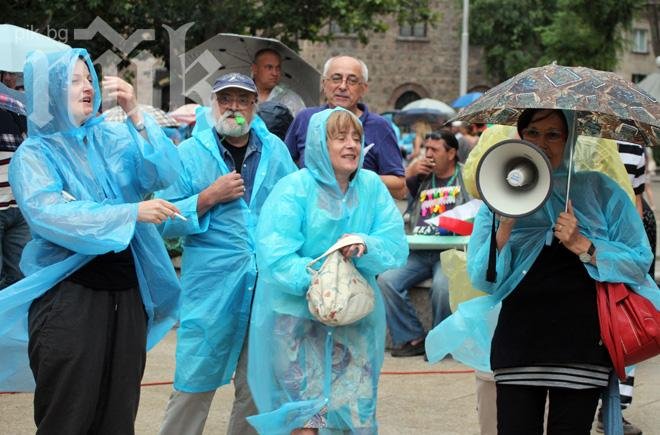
point(605, 215)
point(108, 168)
point(300, 370)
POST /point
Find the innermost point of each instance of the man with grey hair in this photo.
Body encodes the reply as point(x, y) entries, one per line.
point(228, 171)
point(344, 85)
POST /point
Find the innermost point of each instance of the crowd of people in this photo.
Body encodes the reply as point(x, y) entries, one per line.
point(263, 186)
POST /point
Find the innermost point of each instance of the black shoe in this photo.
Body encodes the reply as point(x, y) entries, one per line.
point(628, 427)
point(410, 349)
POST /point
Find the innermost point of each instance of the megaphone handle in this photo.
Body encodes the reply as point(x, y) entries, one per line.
point(491, 272)
point(572, 137)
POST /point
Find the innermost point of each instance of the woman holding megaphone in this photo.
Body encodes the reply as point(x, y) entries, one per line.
point(546, 342)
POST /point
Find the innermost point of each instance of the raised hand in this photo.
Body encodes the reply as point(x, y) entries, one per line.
point(117, 88)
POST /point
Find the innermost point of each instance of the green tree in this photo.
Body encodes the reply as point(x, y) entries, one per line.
point(520, 34)
point(287, 20)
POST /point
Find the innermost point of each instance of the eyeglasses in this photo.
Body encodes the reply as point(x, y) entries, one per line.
point(551, 136)
point(433, 136)
point(243, 101)
point(338, 79)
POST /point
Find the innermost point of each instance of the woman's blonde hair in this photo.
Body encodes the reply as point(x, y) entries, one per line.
point(421, 128)
point(341, 121)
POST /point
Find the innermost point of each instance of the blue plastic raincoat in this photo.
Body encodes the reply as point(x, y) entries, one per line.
point(108, 168)
point(218, 268)
point(606, 216)
point(300, 370)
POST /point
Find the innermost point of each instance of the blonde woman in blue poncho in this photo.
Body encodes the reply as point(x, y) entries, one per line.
point(538, 330)
point(99, 285)
point(307, 377)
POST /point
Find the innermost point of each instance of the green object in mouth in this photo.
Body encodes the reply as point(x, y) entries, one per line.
point(240, 120)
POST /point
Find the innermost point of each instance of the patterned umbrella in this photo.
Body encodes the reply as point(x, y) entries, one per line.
point(607, 106)
point(117, 114)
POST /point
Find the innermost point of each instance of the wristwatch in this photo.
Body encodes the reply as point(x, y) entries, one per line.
point(139, 126)
point(585, 257)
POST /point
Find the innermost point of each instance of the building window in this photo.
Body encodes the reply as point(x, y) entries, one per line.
point(405, 98)
point(336, 30)
point(636, 78)
point(640, 41)
point(413, 30)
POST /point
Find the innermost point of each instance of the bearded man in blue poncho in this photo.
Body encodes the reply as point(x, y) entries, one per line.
point(99, 285)
point(229, 170)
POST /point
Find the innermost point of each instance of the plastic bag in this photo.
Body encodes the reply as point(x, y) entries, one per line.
point(454, 266)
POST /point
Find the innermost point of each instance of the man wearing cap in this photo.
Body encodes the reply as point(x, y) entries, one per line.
point(228, 171)
point(436, 183)
point(344, 84)
point(266, 73)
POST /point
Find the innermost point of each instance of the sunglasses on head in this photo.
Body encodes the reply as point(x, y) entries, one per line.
point(433, 136)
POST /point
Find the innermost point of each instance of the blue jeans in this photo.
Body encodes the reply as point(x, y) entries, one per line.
point(14, 234)
point(402, 318)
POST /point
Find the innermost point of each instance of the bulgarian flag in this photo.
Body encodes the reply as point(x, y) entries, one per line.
point(458, 220)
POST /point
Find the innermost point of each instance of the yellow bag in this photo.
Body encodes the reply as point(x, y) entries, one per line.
point(454, 266)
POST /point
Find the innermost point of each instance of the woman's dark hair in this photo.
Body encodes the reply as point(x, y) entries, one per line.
point(526, 117)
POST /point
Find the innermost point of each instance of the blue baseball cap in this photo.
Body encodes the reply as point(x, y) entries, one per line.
point(234, 80)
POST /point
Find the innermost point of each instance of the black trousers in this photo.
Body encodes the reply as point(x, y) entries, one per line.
point(87, 351)
point(521, 408)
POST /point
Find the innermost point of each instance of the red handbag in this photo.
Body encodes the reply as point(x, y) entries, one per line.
point(629, 325)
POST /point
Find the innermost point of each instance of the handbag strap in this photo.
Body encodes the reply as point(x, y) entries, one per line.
point(344, 241)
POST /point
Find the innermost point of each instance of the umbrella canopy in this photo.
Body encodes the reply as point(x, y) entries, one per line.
point(13, 93)
point(605, 104)
point(185, 114)
point(408, 117)
point(11, 104)
point(117, 114)
point(16, 42)
point(466, 99)
point(435, 112)
point(236, 53)
point(651, 84)
point(430, 104)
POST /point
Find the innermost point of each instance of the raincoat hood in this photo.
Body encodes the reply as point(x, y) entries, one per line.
point(317, 156)
point(48, 76)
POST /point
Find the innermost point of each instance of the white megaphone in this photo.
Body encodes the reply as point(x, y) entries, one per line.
point(514, 178)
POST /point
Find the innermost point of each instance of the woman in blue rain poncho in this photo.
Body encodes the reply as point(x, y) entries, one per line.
point(307, 377)
point(99, 285)
point(544, 337)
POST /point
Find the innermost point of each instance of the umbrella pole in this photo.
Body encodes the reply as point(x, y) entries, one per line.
point(572, 137)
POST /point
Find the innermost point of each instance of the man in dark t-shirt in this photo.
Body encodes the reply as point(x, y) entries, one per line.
point(436, 183)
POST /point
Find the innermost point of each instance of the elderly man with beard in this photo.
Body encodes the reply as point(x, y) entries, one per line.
point(228, 171)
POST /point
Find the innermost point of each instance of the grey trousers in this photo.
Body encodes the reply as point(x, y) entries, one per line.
point(486, 403)
point(186, 413)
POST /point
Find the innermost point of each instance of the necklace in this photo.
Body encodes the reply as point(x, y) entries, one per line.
point(437, 200)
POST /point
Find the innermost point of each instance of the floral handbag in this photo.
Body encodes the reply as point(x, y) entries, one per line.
point(339, 294)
